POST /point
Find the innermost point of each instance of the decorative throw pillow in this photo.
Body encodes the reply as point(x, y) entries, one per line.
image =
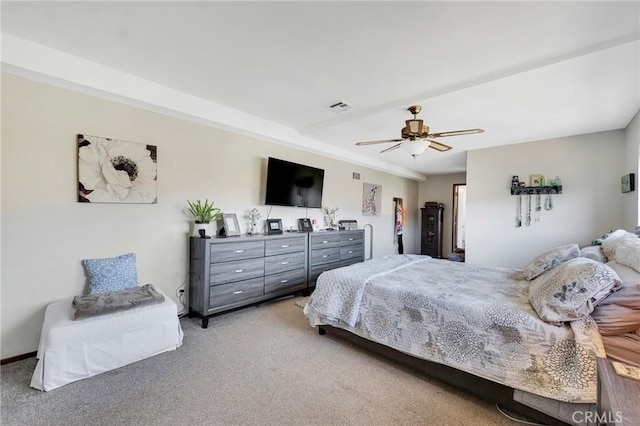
point(593, 253)
point(572, 290)
point(615, 240)
point(628, 252)
point(112, 273)
point(550, 259)
point(619, 313)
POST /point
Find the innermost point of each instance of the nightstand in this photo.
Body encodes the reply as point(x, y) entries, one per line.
point(618, 397)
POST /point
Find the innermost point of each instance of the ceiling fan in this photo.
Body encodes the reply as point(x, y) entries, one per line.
point(415, 132)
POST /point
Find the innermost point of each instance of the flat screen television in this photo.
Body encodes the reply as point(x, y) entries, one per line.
point(292, 184)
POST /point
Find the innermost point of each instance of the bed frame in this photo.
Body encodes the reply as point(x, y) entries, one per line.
point(545, 410)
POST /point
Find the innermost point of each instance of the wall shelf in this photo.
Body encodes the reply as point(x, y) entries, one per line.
point(532, 190)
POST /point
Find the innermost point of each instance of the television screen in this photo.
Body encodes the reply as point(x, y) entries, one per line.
point(291, 184)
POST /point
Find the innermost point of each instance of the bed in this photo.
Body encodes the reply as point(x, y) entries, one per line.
point(479, 321)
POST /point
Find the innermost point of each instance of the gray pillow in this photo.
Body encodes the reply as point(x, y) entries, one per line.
point(572, 290)
point(550, 259)
point(593, 253)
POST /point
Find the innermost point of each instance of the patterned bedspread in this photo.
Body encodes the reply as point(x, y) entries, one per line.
point(474, 318)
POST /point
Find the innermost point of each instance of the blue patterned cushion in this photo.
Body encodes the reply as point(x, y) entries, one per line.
point(112, 273)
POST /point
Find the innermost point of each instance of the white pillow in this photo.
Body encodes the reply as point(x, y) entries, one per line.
point(572, 290)
point(593, 253)
point(550, 259)
point(615, 240)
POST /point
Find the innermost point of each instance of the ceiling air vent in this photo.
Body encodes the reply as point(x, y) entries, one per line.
point(340, 106)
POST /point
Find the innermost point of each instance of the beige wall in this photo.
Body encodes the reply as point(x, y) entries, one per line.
point(440, 188)
point(590, 205)
point(46, 233)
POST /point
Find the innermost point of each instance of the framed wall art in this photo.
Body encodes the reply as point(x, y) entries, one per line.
point(371, 199)
point(116, 171)
point(628, 182)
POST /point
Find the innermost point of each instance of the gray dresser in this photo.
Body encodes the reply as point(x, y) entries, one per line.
point(334, 249)
point(228, 273)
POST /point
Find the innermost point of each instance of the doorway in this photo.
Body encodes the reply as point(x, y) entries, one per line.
point(458, 233)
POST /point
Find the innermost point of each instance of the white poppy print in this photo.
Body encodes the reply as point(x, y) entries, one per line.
point(115, 171)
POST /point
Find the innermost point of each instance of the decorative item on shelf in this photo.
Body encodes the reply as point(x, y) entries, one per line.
point(515, 181)
point(254, 217)
point(203, 214)
point(304, 225)
point(228, 225)
point(274, 226)
point(537, 180)
point(628, 182)
point(330, 217)
point(347, 225)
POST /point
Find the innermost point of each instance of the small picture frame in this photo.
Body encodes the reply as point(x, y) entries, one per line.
point(274, 226)
point(536, 180)
point(628, 182)
point(229, 226)
point(304, 225)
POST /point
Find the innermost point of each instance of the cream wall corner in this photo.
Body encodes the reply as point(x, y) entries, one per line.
point(46, 232)
point(590, 205)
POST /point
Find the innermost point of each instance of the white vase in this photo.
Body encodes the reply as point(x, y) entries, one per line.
point(198, 226)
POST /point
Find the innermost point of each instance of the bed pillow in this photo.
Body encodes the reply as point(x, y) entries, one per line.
point(628, 253)
point(572, 290)
point(550, 259)
point(619, 313)
point(593, 253)
point(616, 240)
point(112, 273)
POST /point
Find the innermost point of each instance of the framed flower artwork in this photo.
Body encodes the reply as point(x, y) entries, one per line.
point(116, 171)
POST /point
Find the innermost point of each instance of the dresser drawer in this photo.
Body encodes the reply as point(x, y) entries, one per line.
point(285, 280)
point(236, 251)
point(325, 240)
point(352, 251)
point(315, 271)
point(283, 262)
point(220, 273)
point(233, 293)
point(285, 245)
point(352, 238)
point(326, 255)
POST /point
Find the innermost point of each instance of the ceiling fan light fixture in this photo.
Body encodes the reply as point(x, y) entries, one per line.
point(414, 126)
point(415, 148)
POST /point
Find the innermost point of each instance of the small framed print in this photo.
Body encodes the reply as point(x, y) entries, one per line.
point(536, 180)
point(628, 182)
point(304, 225)
point(229, 226)
point(274, 226)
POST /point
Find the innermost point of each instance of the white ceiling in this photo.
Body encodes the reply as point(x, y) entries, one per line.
point(522, 71)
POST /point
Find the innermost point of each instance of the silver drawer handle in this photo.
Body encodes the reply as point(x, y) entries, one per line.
point(350, 239)
point(239, 270)
point(238, 292)
point(285, 246)
point(325, 255)
point(284, 263)
point(284, 281)
point(350, 251)
point(239, 251)
point(325, 242)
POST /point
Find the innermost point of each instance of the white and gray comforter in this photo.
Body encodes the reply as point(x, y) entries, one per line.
point(474, 318)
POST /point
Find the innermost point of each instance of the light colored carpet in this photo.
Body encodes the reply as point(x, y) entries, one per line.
point(255, 366)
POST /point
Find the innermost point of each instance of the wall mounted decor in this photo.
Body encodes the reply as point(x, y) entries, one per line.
point(628, 182)
point(398, 209)
point(116, 171)
point(371, 199)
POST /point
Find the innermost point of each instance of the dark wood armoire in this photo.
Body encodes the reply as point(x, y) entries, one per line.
point(431, 229)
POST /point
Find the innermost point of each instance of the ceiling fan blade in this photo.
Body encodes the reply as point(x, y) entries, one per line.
point(438, 146)
point(391, 148)
point(376, 142)
point(456, 133)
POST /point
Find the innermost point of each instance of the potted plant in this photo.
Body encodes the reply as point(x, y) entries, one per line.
point(203, 214)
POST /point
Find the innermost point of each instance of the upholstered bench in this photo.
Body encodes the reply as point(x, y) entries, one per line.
point(72, 350)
